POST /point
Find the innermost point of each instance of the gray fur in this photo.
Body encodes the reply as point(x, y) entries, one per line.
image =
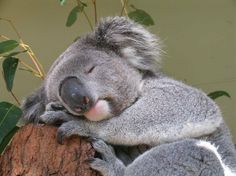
point(145, 107)
point(186, 159)
point(131, 41)
point(34, 105)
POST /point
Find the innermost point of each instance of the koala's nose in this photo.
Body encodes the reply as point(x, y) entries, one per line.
point(74, 94)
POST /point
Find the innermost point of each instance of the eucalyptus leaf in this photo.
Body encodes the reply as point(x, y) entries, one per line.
point(217, 94)
point(72, 17)
point(8, 45)
point(7, 139)
point(14, 53)
point(9, 66)
point(141, 17)
point(9, 116)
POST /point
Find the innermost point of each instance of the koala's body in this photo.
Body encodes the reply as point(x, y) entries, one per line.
point(108, 85)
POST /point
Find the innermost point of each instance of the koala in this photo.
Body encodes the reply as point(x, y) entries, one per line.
point(108, 86)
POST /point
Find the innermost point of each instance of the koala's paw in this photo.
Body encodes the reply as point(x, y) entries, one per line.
point(55, 117)
point(74, 127)
point(109, 165)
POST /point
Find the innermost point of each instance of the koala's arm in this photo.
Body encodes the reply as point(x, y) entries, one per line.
point(167, 111)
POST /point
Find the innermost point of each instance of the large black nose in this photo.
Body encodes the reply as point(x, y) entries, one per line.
point(74, 94)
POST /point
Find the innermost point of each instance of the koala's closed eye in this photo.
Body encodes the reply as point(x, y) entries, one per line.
point(90, 69)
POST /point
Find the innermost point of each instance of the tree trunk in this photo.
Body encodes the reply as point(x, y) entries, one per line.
point(35, 152)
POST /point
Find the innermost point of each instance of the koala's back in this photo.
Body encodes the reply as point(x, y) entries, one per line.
point(165, 97)
point(184, 103)
point(182, 112)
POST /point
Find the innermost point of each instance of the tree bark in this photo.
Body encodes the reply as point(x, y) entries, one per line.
point(35, 152)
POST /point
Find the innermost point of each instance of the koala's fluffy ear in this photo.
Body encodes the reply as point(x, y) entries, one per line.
point(131, 41)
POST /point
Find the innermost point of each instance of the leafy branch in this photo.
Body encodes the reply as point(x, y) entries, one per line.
point(10, 114)
point(73, 15)
point(138, 15)
point(10, 62)
point(27, 48)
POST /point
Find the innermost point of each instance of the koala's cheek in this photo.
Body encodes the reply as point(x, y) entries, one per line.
point(99, 112)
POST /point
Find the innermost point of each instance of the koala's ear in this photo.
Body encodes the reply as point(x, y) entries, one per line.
point(131, 41)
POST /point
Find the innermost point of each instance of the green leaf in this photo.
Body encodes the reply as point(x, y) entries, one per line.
point(7, 139)
point(141, 17)
point(15, 53)
point(72, 17)
point(9, 116)
point(9, 66)
point(217, 94)
point(8, 45)
point(62, 2)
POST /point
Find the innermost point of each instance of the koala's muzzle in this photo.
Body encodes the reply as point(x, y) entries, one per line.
point(74, 95)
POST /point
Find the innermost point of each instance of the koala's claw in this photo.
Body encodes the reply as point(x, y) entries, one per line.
point(109, 163)
point(62, 133)
point(74, 127)
point(105, 150)
point(90, 160)
point(91, 139)
point(55, 117)
point(100, 166)
point(60, 136)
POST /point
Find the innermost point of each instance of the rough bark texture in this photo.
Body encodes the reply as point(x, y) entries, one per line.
point(35, 152)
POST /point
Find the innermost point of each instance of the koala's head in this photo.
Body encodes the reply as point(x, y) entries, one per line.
point(101, 74)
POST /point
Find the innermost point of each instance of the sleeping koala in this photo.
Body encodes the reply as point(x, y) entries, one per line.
point(108, 85)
